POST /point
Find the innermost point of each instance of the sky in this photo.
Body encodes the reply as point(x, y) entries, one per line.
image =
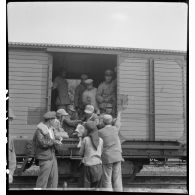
point(117, 24)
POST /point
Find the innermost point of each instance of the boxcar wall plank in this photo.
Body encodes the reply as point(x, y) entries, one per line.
point(26, 86)
point(27, 104)
point(28, 57)
point(28, 82)
point(29, 74)
point(32, 66)
point(28, 62)
point(28, 69)
point(26, 52)
point(29, 91)
point(27, 78)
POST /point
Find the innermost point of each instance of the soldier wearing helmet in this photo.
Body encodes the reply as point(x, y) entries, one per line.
point(106, 93)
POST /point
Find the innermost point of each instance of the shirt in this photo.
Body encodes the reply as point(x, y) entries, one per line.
point(89, 97)
point(62, 86)
point(78, 95)
point(12, 157)
point(90, 155)
point(112, 151)
point(106, 93)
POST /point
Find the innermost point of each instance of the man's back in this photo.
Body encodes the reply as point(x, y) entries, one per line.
point(111, 144)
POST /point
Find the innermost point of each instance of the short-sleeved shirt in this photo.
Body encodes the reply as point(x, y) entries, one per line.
point(90, 155)
point(62, 87)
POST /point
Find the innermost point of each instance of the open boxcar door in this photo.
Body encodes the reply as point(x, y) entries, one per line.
point(133, 96)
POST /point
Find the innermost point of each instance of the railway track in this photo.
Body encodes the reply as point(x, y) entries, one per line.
point(152, 182)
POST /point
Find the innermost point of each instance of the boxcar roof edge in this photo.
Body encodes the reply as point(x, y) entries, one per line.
point(124, 49)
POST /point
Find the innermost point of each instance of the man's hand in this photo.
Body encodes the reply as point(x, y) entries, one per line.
point(10, 178)
point(57, 142)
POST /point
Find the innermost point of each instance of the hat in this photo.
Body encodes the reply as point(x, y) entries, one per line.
point(11, 113)
point(107, 119)
point(88, 81)
point(49, 115)
point(84, 76)
point(61, 112)
point(108, 73)
point(71, 107)
point(89, 109)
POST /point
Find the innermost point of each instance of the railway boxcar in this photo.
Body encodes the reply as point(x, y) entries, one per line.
point(151, 89)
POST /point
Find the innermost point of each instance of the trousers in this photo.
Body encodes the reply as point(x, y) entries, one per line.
point(92, 176)
point(112, 177)
point(48, 175)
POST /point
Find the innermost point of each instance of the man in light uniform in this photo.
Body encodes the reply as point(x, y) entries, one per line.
point(106, 92)
point(112, 154)
point(78, 103)
point(12, 154)
point(89, 95)
point(44, 144)
point(60, 83)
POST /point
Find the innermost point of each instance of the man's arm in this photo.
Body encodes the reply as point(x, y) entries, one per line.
point(118, 121)
point(55, 83)
point(72, 123)
point(76, 96)
point(99, 97)
point(44, 142)
point(82, 148)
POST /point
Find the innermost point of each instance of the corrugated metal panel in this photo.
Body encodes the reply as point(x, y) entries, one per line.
point(46, 45)
point(133, 84)
point(169, 119)
point(28, 80)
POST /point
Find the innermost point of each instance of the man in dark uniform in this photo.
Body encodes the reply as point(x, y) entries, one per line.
point(106, 93)
point(78, 95)
point(60, 83)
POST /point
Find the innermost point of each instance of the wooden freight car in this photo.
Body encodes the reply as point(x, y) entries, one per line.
point(151, 88)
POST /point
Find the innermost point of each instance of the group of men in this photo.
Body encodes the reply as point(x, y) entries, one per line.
point(100, 146)
point(100, 149)
point(103, 98)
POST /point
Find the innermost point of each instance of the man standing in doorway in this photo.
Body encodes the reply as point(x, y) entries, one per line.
point(60, 83)
point(112, 154)
point(89, 95)
point(78, 103)
point(106, 93)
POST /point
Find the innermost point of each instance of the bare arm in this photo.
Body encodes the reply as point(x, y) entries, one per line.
point(118, 121)
point(82, 148)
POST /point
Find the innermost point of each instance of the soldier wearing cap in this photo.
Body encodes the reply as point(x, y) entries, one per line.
point(90, 115)
point(78, 95)
point(68, 124)
point(59, 132)
point(106, 92)
point(112, 154)
point(72, 112)
point(89, 95)
point(60, 83)
point(44, 146)
point(12, 154)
